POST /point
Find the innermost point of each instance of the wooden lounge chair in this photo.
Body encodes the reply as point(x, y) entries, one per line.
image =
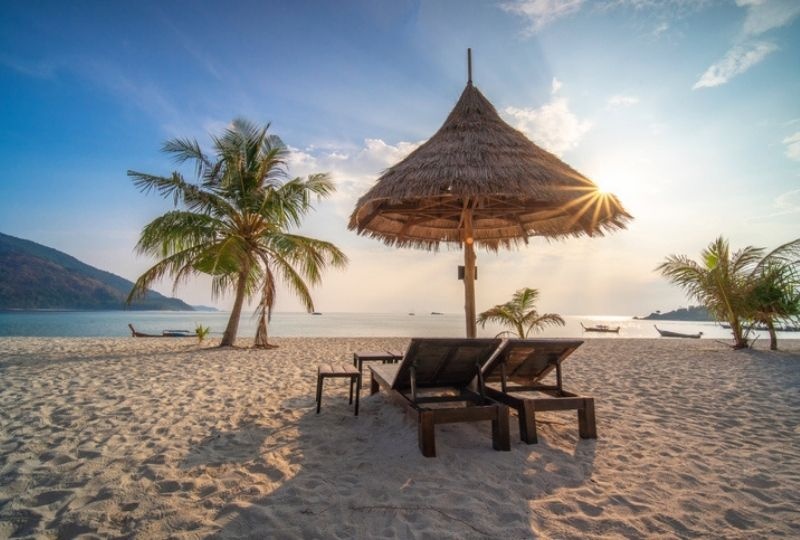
point(526, 362)
point(430, 368)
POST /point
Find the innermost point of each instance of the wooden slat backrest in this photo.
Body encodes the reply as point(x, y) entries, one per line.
point(528, 361)
point(443, 362)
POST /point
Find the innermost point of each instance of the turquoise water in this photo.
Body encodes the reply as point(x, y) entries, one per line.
point(115, 324)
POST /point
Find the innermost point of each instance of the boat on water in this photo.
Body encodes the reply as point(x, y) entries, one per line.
point(164, 333)
point(779, 327)
point(669, 333)
point(601, 328)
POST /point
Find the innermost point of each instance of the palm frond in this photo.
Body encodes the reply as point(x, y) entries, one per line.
point(309, 256)
point(294, 280)
point(177, 231)
point(540, 322)
point(174, 264)
point(788, 253)
point(183, 150)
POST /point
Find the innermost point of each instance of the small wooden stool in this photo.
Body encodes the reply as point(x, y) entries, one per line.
point(340, 371)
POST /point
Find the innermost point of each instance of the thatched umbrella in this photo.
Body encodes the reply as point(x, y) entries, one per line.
point(478, 181)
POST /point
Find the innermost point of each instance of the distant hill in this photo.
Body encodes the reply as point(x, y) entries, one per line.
point(692, 313)
point(33, 276)
point(204, 308)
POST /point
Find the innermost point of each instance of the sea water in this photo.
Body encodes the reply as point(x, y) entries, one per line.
point(115, 324)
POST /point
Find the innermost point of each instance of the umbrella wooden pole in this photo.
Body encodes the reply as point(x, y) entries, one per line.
point(469, 275)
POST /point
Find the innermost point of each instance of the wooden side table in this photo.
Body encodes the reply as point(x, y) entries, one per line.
point(338, 371)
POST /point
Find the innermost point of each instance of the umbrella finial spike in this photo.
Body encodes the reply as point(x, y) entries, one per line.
point(469, 66)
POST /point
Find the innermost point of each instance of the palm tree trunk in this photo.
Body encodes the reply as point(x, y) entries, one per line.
point(773, 337)
point(229, 337)
point(520, 330)
point(736, 327)
point(262, 337)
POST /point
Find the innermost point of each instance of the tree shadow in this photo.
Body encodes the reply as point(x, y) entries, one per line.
point(768, 355)
point(240, 445)
point(342, 476)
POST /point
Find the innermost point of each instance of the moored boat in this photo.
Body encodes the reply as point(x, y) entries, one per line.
point(779, 327)
point(164, 333)
point(601, 328)
point(669, 333)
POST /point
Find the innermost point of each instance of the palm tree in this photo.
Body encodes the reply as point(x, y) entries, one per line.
point(721, 282)
point(236, 221)
point(775, 292)
point(520, 314)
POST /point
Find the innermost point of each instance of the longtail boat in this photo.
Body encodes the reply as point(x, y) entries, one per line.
point(669, 333)
point(164, 333)
point(601, 328)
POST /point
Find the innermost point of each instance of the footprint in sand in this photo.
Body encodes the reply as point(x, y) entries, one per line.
point(73, 530)
point(23, 522)
point(49, 497)
point(271, 473)
point(760, 481)
point(168, 486)
point(103, 495)
point(590, 509)
point(129, 507)
point(736, 519)
point(62, 459)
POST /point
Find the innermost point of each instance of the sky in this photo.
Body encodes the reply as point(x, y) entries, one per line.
point(687, 110)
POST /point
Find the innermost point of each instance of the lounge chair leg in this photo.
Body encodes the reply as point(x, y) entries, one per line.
point(527, 422)
point(319, 391)
point(427, 435)
point(358, 391)
point(587, 426)
point(501, 436)
point(373, 386)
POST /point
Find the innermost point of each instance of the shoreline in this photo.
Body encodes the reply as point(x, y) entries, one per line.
point(155, 438)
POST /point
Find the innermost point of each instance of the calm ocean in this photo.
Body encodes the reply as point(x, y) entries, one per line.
point(115, 324)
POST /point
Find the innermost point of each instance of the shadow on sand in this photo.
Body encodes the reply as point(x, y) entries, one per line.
point(334, 475)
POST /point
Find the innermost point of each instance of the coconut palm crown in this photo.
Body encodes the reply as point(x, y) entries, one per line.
point(775, 292)
point(739, 287)
point(520, 314)
point(720, 282)
point(234, 223)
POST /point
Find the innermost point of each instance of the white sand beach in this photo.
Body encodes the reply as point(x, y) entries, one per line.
point(162, 438)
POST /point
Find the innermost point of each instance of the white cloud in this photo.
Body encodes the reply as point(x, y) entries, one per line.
point(735, 62)
point(792, 143)
point(764, 15)
point(621, 100)
point(784, 204)
point(540, 13)
point(354, 170)
point(788, 202)
point(660, 29)
point(552, 126)
point(761, 16)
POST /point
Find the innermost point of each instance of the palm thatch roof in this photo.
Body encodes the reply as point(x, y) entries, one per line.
point(477, 161)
